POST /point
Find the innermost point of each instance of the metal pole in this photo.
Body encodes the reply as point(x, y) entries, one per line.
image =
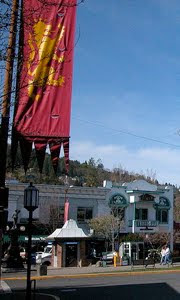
point(1, 238)
point(5, 108)
point(28, 286)
point(5, 113)
point(134, 219)
point(65, 200)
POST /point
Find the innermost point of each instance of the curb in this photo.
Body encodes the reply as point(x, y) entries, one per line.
point(94, 275)
point(4, 288)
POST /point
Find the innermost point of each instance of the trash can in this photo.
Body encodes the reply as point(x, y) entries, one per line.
point(41, 270)
point(104, 264)
point(104, 259)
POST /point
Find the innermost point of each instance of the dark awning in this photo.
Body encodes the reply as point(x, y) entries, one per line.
point(24, 238)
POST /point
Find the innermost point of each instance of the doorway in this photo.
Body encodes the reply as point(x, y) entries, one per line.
point(71, 255)
point(141, 251)
point(134, 251)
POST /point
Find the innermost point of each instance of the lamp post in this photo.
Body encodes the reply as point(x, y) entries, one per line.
point(31, 202)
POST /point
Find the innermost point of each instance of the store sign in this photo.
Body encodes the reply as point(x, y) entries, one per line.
point(146, 197)
point(71, 243)
point(34, 238)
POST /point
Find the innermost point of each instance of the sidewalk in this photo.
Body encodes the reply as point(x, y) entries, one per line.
point(107, 269)
point(75, 271)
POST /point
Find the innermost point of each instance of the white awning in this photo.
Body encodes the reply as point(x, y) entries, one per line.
point(69, 230)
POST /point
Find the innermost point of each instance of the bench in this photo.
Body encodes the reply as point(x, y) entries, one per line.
point(174, 260)
point(143, 262)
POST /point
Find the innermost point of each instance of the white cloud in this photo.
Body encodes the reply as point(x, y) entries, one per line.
point(164, 161)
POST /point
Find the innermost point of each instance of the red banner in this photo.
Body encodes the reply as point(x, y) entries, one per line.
point(42, 114)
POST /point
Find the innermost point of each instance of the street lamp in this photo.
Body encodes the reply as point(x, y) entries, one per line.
point(31, 202)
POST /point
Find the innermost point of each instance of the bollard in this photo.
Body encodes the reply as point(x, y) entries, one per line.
point(115, 258)
point(41, 270)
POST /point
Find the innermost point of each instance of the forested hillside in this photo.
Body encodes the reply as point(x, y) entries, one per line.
point(88, 173)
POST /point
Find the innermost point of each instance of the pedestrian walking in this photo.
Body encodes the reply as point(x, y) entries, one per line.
point(167, 255)
point(163, 253)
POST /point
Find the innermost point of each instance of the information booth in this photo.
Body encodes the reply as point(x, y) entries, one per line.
point(69, 247)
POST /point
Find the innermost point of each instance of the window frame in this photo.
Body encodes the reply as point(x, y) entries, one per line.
point(159, 215)
point(140, 211)
point(85, 219)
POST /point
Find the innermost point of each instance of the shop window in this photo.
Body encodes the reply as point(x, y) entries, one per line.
point(141, 214)
point(162, 216)
point(84, 213)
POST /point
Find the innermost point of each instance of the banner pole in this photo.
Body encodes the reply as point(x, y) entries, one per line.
point(5, 109)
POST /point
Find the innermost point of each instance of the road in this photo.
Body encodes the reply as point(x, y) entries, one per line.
point(131, 287)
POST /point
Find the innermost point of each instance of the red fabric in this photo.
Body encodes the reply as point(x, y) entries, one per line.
point(44, 105)
point(26, 149)
point(40, 154)
point(66, 211)
point(55, 151)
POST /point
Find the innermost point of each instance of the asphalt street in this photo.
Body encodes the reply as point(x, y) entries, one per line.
point(131, 287)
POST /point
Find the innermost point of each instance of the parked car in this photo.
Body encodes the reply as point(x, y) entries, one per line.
point(44, 258)
point(108, 256)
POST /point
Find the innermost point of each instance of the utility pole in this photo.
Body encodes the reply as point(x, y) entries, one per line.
point(5, 115)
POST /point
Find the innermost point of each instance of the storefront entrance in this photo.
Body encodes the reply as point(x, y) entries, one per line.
point(134, 250)
point(137, 250)
point(71, 254)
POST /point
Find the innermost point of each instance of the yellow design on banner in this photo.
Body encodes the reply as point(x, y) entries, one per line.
point(44, 57)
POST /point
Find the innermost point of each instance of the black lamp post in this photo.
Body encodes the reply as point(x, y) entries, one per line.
point(31, 202)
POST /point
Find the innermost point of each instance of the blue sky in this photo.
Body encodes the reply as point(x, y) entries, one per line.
point(127, 78)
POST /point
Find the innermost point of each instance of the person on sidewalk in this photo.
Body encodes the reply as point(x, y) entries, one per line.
point(163, 253)
point(167, 255)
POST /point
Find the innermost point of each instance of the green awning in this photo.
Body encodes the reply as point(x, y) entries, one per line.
point(6, 238)
point(24, 238)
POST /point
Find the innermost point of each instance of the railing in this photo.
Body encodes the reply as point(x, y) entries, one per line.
point(144, 223)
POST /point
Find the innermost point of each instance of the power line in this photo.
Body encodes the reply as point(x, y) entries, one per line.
point(127, 132)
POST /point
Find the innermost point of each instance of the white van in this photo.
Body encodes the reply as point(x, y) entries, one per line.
point(44, 258)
